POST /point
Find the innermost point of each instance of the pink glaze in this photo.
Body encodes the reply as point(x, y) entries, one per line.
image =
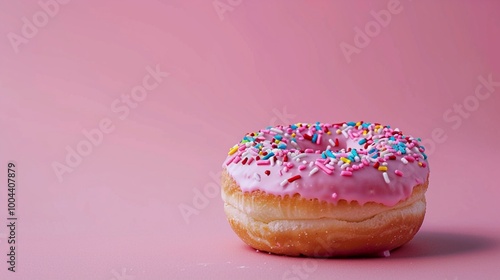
point(365, 165)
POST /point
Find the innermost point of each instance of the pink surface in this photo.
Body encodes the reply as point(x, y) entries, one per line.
point(201, 76)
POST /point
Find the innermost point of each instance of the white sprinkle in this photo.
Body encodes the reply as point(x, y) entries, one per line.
point(248, 144)
point(416, 150)
point(311, 164)
point(284, 182)
point(256, 177)
point(329, 166)
point(357, 159)
point(304, 162)
point(404, 160)
point(345, 134)
point(314, 170)
point(271, 159)
point(295, 144)
point(344, 166)
point(279, 162)
point(297, 157)
point(276, 130)
point(331, 142)
point(384, 163)
point(386, 177)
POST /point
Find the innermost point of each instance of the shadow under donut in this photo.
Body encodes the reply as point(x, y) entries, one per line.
point(433, 243)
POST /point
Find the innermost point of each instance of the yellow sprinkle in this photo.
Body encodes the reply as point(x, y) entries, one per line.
point(382, 168)
point(293, 134)
point(364, 132)
point(338, 131)
point(276, 141)
point(329, 132)
point(346, 160)
point(358, 123)
point(233, 150)
point(420, 164)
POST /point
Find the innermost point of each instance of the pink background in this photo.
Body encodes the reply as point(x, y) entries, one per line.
point(116, 216)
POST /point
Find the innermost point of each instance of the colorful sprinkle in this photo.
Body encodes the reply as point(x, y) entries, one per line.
point(386, 177)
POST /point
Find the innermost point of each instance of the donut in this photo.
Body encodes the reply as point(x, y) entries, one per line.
point(326, 189)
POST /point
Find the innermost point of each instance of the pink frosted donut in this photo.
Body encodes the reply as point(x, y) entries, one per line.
point(324, 189)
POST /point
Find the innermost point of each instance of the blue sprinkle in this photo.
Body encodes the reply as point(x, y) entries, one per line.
point(294, 140)
point(375, 155)
point(362, 141)
point(351, 123)
point(392, 138)
point(388, 126)
point(282, 146)
point(372, 150)
point(425, 156)
point(323, 155)
point(293, 126)
point(365, 125)
point(419, 140)
point(315, 136)
point(354, 152)
point(277, 136)
point(318, 128)
point(268, 155)
point(351, 158)
point(330, 154)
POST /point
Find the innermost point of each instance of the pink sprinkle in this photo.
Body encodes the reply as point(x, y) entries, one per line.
point(229, 160)
point(317, 152)
point(309, 151)
point(289, 165)
point(302, 167)
point(323, 168)
point(365, 162)
point(237, 159)
point(242, 147)
point(321, 160)
point(334, 195)
point(318, 140)
point(386, 253)
point(423, 164)
point(250, 160)
point(355, 167)
point(410, 158)
point(398, 172)
point(346, 173)
point(263, 162)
